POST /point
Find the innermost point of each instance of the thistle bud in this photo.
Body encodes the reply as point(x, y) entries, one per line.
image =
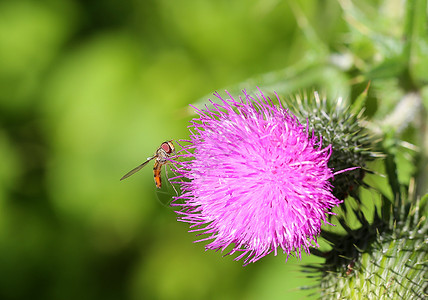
point(386, 259)
point(341, 127)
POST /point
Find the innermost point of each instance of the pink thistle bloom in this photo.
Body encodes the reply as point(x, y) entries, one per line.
point(256, 179)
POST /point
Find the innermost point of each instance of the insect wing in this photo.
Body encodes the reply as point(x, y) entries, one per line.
point(135, 170)
point(167, 190)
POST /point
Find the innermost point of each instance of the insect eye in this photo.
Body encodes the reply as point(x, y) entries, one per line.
point(165, 146)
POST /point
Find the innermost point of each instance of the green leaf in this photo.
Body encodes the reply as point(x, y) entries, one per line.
point(389, 146)
point(389, 68)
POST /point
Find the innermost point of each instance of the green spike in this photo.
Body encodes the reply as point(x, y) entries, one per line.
point(359, 103)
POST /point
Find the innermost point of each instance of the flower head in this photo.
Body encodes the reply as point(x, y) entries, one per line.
point(255, 180)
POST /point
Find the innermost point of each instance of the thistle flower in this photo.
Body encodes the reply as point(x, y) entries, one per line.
point(255, 180)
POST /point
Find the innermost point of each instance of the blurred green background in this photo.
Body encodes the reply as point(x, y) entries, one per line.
point(88, 90)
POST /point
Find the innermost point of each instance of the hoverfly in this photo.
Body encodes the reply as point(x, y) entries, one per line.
point(165, 150)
